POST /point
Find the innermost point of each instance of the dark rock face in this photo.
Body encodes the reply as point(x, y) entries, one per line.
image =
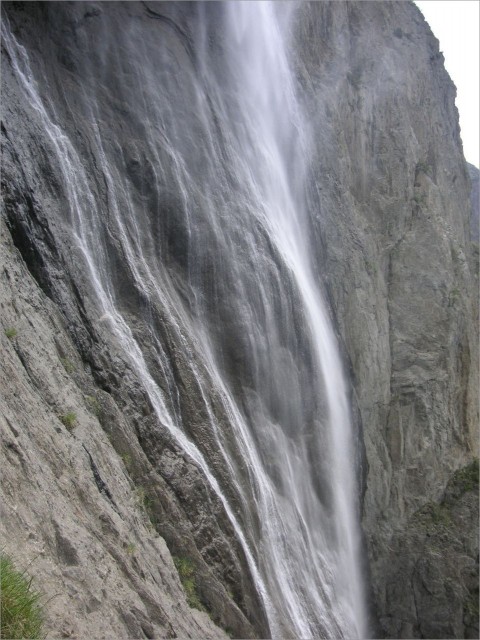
point(390, 215)
point(432, 584)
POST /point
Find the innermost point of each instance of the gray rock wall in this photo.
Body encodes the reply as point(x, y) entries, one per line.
point(165, 484)
point(390, 198)
point(71, 515)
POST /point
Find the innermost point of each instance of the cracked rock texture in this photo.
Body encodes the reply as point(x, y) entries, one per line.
point(84, 499)
point(391, 192)
point(70, 513)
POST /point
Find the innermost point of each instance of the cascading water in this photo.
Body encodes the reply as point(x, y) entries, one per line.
point(233, 269)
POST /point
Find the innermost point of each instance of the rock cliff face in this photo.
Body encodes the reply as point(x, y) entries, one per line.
point(71, 514)
point(97, 494)
point(391, 192)
point(475, 198)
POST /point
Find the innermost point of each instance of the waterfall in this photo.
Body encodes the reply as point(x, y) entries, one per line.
point(214, 230)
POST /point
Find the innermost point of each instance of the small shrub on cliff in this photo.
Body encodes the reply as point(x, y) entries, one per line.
point(439, 515)
point(453, 297)
point(141, 497)
point(423, 167)
point(186, 573)
point(21, 613)
point(94, 405)
point(470, 606)
point(69, 420)
point(465, 479)
point(145, 503)
point(11, 333)
point(433, 515)
point(126, 459)
point(420, 199)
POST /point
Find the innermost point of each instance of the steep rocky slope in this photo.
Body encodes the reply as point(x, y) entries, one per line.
point(70, 514)
point(169, 485)
point(85, 499)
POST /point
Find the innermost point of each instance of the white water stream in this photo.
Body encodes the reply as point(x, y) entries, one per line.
point(286, 399)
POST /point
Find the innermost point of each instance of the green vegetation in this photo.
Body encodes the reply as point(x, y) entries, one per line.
point(423, 167)
point(186, 573)
point(453, 297)
point(93, 405)
point(141, 497)
point(434, 515)
point(420, 199)
point(131, 548)
point(21, 612)
point(456, 253)
point(146, 504)
point(127, 459)
point(371, 267)
point(466, 479)
point(439, 514)
point(69, 419)
point(11, 333)
point(67, 365)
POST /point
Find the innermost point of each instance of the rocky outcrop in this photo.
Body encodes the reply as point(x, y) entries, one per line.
point(97, 497)
point(71, 513)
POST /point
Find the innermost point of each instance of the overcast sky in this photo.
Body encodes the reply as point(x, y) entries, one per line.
point(456, 25)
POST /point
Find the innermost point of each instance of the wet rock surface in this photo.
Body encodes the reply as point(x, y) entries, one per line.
point(73, 513)
point(170, 488)
point(391, 220)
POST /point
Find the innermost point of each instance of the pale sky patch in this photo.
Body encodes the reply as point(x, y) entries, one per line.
point(456, 25)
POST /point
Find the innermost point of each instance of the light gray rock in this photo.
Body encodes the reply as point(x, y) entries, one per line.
point(70, 514)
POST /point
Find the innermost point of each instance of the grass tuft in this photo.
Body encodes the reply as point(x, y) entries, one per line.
point(11, 333)
point(69, 419)
point(186, 573)
point(126, 459)
point(93, 405)
point(21, 612)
